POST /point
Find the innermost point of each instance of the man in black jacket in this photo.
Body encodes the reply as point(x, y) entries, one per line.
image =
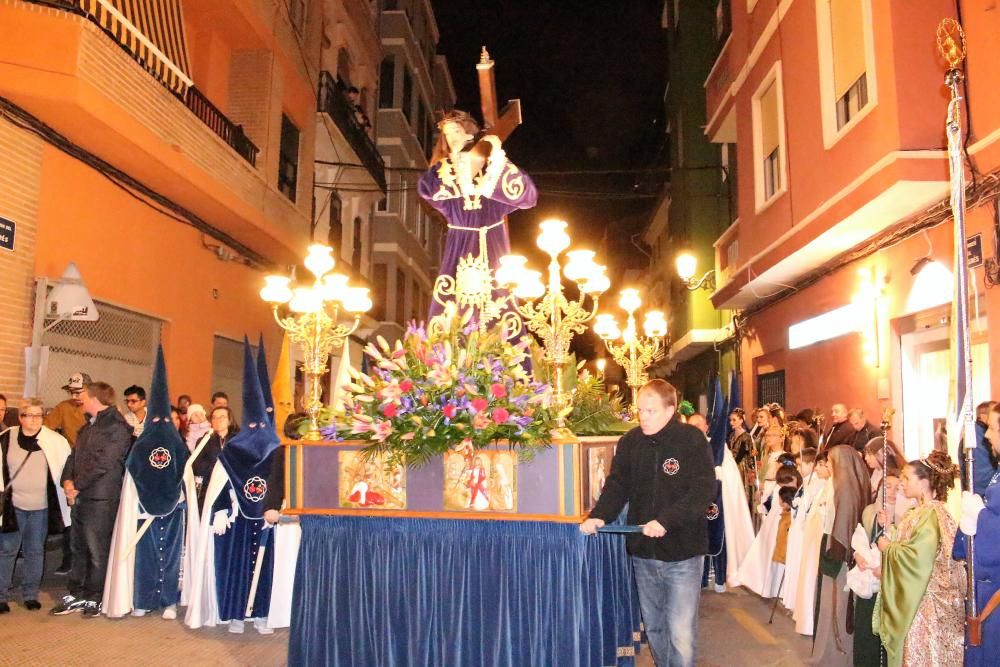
point(665, 473)
point(92, 479)
point(840, 431)
point(863, 429)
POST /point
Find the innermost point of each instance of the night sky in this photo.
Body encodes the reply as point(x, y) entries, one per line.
point(590, 77)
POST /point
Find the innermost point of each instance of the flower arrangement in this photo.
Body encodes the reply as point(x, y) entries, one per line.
point(446, 387)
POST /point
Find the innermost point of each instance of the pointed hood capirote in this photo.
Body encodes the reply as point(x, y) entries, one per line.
point(156, 461)
point(246, 457)
point(265, 381)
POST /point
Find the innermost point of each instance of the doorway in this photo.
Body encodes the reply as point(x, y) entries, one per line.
point(925, 367)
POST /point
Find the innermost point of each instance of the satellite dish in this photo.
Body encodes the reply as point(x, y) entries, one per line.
point(69, 299)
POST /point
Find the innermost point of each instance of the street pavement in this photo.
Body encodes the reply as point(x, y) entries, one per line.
point(733, 631)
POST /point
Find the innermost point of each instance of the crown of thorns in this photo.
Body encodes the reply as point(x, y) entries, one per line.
point(454, 116)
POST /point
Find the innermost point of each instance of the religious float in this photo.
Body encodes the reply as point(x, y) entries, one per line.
point(438, 496)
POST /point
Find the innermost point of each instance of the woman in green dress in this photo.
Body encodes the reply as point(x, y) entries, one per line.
point(919, 613)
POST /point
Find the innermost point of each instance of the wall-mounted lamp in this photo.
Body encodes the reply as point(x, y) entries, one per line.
point(687, 264)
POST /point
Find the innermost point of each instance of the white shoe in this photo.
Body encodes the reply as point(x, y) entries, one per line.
point(236, 627)
point(260, 624)
point(170, 613)
point(720, 588)
point(139, 613)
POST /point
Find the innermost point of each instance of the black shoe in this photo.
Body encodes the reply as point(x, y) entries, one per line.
point(64, 569)
point(91, 609)
point(32, 605)
point(4, 608)
point(68, 605)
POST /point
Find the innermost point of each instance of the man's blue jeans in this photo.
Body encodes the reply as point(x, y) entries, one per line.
point(669, 594)
point(33, 526)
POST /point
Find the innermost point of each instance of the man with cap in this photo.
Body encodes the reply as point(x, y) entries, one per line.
point(231, 574)
point(67, 417)
point(144, 572)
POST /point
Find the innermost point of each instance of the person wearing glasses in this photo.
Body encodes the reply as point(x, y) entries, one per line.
point(32, 457)
point(135, 401)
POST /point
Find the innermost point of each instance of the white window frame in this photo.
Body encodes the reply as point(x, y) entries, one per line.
point(828, 100)
point(761, 201)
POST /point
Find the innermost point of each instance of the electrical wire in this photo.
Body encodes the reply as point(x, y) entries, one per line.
point(139, 191)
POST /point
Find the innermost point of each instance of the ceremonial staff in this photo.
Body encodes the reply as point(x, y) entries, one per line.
point(951, 44)
point(886, 425)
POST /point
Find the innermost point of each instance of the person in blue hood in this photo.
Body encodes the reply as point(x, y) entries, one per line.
point(144, 568)
point(232, 573)
point(982, 520)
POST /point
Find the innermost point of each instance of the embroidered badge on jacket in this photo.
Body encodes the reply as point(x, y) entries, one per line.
point(713, 512)
point(671, 466)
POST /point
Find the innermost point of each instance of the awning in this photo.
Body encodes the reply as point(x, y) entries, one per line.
point(152, 31)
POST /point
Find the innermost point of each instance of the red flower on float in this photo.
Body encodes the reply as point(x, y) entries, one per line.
point(500, 416)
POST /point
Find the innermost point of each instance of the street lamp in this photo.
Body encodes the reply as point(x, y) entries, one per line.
point(687, 264)
point(545, 309)
point(635, 352)
point(313, 319)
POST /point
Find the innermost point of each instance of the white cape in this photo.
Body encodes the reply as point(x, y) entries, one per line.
point(796, 536)
point(756, 572)
point(193, 519)
point(199, 577)
point(736, 516)
point(56, 450)
point(812, 536)
point(287, 537)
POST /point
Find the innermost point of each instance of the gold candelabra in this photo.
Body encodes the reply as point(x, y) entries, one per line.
point(635, 352)
point(545, 309)
point(314, 320)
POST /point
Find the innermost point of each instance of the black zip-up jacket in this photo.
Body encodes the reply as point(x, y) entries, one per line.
point(668, 476)
point(97, 464)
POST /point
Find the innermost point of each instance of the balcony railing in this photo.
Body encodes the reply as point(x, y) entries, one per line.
point(333, 102)
point(216, 121)
point(192, 98)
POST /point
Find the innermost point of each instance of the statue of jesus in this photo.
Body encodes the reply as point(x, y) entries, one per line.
point(474, 186)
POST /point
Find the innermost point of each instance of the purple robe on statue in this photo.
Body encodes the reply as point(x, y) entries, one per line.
point(481, 202)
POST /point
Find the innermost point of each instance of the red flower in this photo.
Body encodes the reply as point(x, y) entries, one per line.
point(390, 410)
point(498, 390)
point(500, 416)
point(479, 404)
point(406, 385)
point(449, 411)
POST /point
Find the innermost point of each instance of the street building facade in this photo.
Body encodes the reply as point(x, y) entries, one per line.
point(839, 260)
point(164, 152)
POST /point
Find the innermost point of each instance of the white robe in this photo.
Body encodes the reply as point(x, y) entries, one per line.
point(119, 582)
point(756, 572)
point(736, 516)
point(812, 535)
point(56, 450)
point(287, 537)
point(199, 578)
point(193, 522)
point(796, 535)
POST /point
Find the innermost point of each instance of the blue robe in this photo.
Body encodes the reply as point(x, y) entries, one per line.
point(237, 550)
point(158, 560)
point(716, 526)
point(987, 567)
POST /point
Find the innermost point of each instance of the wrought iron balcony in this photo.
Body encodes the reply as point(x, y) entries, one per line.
point(216, 121)
point(333, 102)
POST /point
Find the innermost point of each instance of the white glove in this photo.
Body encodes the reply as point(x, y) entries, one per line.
point(220, 522)
point(972, 505)
point(718, 473)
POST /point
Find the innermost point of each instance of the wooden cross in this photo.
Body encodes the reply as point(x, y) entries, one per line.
point(500, 123)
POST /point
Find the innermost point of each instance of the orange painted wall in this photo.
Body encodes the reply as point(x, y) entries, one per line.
point(834, 371)
point(159, 268)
